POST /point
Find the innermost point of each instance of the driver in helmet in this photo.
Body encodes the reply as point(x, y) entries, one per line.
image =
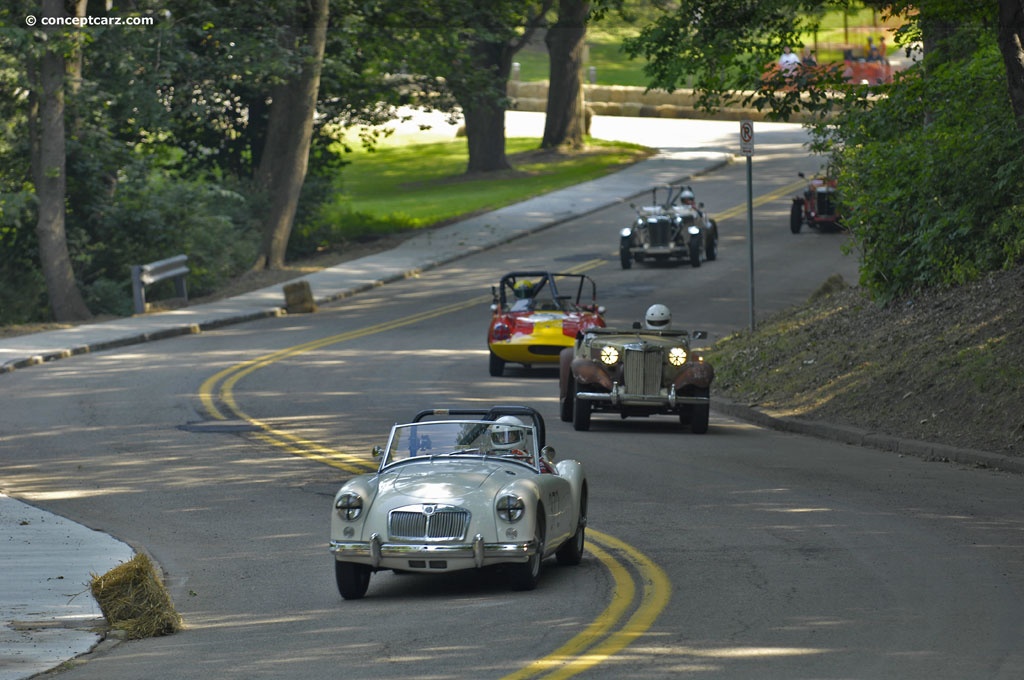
point(508, 438)
point(686, 197)
point(657, 318)
point(524, 290)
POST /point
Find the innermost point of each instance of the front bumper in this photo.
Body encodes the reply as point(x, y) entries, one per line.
point(619, 397)
point(531, 350)
point(446, 557)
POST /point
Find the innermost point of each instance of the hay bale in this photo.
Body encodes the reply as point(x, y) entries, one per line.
point(631, 109)
point(667, 111)
point(133, 599)
point(298, 298)
point(533, 90)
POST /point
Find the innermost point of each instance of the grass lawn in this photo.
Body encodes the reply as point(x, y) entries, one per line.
point(399, 187)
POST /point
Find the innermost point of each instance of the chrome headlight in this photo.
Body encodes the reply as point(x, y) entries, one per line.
point(677, 356)
point(609, 356)
point(693, 229)
point(626, 232)
point(349, 506)
point(510, 508)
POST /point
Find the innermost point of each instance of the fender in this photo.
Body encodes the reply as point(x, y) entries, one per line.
point(591, 373)
point(696, 373)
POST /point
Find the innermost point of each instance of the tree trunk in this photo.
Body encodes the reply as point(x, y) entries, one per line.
point(485, 112)
point(1011, 44)
point(485, 138)
point(50, 178)
point(565, 124)
point(285, 157)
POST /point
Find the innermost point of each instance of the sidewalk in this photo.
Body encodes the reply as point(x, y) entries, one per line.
point(47, 614)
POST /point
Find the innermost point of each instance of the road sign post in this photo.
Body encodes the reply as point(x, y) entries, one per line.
point(747, 149)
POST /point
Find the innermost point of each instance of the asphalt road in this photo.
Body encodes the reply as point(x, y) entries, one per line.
point(743, 553)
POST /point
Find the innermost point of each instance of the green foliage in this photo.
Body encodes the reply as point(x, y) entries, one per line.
point(155, 217)
point(934, 194)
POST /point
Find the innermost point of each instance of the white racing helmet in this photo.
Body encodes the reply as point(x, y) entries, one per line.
point(507, 434)
point(657, 318)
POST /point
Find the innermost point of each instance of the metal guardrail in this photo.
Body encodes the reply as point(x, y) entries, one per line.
point(143, 275)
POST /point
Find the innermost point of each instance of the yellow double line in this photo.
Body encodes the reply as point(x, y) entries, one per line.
point(761, 200)
point(217, 393)
point(601, 640)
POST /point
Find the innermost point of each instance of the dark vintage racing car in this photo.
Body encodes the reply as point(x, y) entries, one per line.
point(816, 206)
point(536, 314)
point(636, 372)
point(671, 230)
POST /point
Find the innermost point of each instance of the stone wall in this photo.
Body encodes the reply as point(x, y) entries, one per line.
point(619, 100)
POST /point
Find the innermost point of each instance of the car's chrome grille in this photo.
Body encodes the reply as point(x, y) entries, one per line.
point(642, 371)
point(659, 232)
point(429, 523)
point(825, 206)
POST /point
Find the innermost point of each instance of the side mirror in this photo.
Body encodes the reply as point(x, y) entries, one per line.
point(377, 451)
point(548, 453)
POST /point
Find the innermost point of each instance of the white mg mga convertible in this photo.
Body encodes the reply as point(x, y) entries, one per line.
point(461, 489)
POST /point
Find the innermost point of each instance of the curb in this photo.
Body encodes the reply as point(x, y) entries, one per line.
point(857, 436)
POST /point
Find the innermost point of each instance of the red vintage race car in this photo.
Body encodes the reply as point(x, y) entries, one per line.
point(816, 206)
point(537, 314)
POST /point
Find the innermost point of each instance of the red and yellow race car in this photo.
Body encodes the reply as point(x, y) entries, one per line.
point(537, 314)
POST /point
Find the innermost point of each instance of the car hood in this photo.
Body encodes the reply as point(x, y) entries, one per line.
point(433, 481)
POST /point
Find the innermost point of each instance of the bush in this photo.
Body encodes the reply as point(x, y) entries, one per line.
point(159, 217)
point(929, 205)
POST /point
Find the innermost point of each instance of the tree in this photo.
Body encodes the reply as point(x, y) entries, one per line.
point(463, 58)
point(285, 156)
point(49, 170)
point(493, 33)
point(564, 124)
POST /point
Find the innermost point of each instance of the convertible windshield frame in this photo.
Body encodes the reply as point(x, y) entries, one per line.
point(458, 439)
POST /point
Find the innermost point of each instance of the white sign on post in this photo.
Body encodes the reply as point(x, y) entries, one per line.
point(747, 137)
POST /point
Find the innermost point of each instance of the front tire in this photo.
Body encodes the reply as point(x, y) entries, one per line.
point(566, 383)
point(711, 250)
point(525, 576)
point(580, 412)
point(796, 217)
point(497, 366)
point(352, 579)
point(571, 552)
point(700, 414)
point(695, 251)
point(625, 257)
point(567, 404)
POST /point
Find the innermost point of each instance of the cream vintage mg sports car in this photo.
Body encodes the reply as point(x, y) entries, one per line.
point(461, 489)
point(636, 372)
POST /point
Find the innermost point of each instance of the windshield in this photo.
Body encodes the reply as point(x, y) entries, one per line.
point(454, 438)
